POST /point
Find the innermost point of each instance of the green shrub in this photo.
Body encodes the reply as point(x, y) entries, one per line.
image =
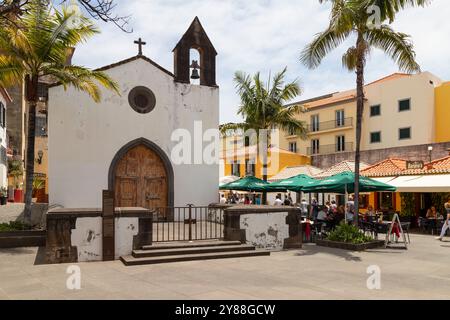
point(349, 234)
point(14, 226)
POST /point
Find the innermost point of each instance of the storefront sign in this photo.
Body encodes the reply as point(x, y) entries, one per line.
point(414, 165)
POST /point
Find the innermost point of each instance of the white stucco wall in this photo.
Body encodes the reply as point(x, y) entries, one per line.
point(87, 237)
point(265, 230)
point(3, 142)
point(84, 136)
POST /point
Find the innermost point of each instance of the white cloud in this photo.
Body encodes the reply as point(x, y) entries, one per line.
point(262, 35)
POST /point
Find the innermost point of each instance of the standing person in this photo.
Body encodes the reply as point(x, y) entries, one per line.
point(287, 202)
point(223, 200)
point(278, 201)
point(304, 207)
point(333, 206)
point(350, 209)
point(247, 200)
point(290, 198)
point(314, 209)
point(446, 225)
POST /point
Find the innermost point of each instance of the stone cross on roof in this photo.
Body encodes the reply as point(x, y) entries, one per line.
point(140, 43)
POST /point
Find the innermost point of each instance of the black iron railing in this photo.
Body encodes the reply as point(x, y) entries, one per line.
point(330, 125)
point(187, 223)
point(330, 148)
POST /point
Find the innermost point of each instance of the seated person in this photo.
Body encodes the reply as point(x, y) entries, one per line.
point(369, 216)
point(431, 216)
point(322, 214)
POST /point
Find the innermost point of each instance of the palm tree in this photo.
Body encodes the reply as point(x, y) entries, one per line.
point(263, 108)
point(39, 48)
point(351, 18)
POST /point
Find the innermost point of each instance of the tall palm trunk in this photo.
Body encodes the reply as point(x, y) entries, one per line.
point(31, 95)
point(359, 113)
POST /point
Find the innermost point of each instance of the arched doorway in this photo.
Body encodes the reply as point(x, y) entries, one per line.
point(141, 176)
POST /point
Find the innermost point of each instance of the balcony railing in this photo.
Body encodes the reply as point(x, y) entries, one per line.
point(330, 125)
point(330, 148)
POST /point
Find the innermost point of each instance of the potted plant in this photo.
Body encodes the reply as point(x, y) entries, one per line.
point(15, 170)
point(3, 196)
point(38, 188)
point(349, 237)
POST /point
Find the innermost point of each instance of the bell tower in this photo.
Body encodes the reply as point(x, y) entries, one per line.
point(195, 38)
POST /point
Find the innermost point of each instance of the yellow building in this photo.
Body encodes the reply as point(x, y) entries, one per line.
point(400, 111)
point(442, 110)
point(241, 161)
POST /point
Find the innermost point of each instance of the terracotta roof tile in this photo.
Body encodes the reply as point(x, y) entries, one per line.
point(388, 167)
point(397, 167)
point(293, 171)
point(339, 168)
point(392, 76)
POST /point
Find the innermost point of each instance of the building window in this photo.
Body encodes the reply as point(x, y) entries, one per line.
point(2, 115)
point(315, 123)
point(404, 133)
point(386, 200)
point(41, 127)
point(375, 110)
point(236, 169)
point(404, 105)
point(340, 143)
point(315, 146)
point(250, 167)
point(340, 118)
point(375, 137)
point(363, 200)
point(291, 131)
point(293, 147)
point(142, 99)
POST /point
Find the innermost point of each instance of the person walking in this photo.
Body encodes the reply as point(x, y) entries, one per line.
point(446, 225)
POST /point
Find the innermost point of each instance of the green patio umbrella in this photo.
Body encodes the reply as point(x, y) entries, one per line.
point(249, 184)
point(294, 184)
point(345, 183)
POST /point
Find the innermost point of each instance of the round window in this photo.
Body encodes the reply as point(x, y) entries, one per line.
point(142, 99)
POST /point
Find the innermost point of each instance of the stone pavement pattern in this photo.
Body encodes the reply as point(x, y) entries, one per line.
point(422, 272)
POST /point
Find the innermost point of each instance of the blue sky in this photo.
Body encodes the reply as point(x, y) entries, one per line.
point(263, 35)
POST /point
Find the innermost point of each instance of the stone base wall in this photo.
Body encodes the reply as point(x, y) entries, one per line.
point(76, 235)
point(265, 227)
point(419, 152)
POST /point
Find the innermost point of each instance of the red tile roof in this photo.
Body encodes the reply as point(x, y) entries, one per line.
point(385, 168)
point(439, 166)
point(397, 167)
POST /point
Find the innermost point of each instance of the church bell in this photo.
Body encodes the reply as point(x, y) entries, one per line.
point(195, 75)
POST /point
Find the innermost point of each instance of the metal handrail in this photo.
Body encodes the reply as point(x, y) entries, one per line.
point(330, 125)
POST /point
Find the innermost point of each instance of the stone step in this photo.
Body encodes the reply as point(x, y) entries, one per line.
point(193, 244)
point(132, 261)
point(190, 250)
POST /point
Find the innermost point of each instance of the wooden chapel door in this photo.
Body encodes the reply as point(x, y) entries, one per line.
point(141, 179)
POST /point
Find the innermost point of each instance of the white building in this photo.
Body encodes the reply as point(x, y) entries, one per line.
point(5, 99)
point(124, 143)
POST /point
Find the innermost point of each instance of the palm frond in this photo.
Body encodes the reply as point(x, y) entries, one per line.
point(11, 71)
point(322, 44)
point(395, 44)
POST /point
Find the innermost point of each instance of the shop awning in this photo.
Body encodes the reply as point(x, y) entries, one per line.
point(422, 183)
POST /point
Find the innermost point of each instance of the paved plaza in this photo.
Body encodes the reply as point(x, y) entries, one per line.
point(422, 272)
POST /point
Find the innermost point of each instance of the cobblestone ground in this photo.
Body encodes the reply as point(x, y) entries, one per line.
point(422, 272)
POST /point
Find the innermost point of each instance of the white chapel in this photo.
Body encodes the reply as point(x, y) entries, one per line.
point(124, 143)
